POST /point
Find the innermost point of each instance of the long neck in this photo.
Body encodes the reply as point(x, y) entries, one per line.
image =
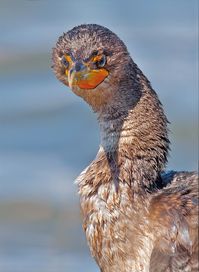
point(134, 133)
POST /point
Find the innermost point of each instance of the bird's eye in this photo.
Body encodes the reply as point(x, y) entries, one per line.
point(65, 62)
point(100, 61)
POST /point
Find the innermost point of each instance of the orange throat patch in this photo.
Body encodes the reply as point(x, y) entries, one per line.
point(87, 79)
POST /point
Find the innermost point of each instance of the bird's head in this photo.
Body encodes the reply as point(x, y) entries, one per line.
point(92, 61)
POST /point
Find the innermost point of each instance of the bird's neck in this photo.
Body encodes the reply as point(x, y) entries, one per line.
point(134, 134)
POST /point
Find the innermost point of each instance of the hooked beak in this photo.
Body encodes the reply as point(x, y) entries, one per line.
point(85, 78)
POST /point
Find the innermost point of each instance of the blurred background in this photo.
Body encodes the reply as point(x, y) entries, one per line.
point(48, 135)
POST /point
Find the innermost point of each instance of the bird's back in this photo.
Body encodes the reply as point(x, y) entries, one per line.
point(176, 209)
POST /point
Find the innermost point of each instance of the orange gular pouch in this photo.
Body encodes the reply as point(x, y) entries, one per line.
point(91, 79)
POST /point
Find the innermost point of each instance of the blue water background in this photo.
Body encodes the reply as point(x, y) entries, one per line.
point(48, 135)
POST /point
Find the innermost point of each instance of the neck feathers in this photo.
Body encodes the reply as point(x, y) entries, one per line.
point(134, 133)
point(134, 141)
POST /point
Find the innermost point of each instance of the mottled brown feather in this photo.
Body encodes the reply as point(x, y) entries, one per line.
point(135, 216)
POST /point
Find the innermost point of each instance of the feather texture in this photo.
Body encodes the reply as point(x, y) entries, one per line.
point(136, 216)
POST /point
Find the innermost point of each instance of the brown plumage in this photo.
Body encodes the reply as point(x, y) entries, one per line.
point(136, 217)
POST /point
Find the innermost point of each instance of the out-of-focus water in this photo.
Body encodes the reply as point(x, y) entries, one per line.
point(47, 135)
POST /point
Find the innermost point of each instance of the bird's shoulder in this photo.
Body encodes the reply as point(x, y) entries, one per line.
point(174, 214)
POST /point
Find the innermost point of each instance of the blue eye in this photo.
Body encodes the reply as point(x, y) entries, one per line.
point(100, 63)
point(64, 62)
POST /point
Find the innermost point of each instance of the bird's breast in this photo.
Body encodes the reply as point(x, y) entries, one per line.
point(109, 218)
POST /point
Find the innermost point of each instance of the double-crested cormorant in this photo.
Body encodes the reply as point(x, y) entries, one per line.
point(136, 216)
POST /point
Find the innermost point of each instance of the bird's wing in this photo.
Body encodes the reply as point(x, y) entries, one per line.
point(174, 215)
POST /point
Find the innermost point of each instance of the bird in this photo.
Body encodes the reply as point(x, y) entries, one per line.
point(136, 215)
